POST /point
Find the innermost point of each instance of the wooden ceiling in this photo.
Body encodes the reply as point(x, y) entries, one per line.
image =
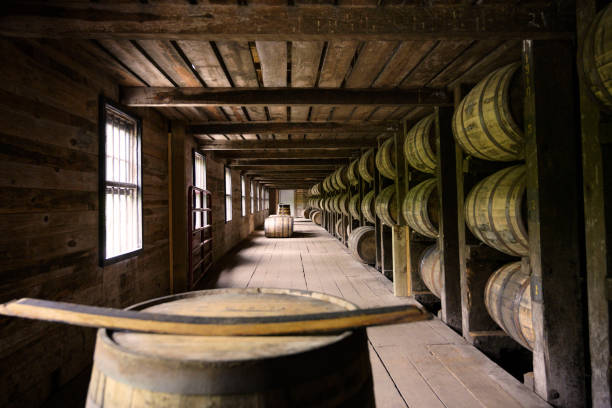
point(274, 79)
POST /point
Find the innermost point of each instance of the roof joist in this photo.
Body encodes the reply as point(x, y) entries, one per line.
point(260, 97)
point(205, 22)
point(328, 144)
point(230, 128)
point(245, 155)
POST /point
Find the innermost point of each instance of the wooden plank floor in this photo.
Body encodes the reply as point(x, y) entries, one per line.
point(423, 364)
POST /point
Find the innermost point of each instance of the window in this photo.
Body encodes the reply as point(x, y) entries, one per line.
point(243, 195)
point(266, 199)
point(256, 197)
point(228, 194)
point(120, 184)
point(260, 198)
point(199, 181)
point(252, 197)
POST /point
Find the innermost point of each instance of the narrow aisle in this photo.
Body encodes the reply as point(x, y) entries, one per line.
point(423, 364)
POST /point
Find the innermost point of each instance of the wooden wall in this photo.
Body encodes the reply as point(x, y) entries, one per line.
point(49, 213)
point(226, 235)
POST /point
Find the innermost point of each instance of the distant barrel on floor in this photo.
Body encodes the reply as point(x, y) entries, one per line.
point(284, 209)
point(278, 226)
point(362, 244)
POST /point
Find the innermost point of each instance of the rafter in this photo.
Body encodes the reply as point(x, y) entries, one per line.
point(229, 128)
point(287, 154)
point(169, 96)
point(283, 162)
point(333, 144)
point(205, 22)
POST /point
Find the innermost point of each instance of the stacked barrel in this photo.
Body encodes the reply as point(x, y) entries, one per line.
point(336, 203)
point(487, 125)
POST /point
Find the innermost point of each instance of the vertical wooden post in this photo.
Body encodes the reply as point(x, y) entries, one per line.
point(554, 215)
point(449, 231)
point(596, 154)
point(179, 207)
point(400, 233)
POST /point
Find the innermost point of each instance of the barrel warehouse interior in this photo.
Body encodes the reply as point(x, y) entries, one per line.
point(305, 203)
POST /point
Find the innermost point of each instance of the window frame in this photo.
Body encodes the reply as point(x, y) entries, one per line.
point(103, 102)
point(226, 194)
point(252, 195)
point(195, 153)
point(243, 210)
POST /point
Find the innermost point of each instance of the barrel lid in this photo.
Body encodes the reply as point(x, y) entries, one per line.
point(251, 302)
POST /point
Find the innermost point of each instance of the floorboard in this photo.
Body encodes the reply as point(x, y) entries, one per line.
point(423, 364)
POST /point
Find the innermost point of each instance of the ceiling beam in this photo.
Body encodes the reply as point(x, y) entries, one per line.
point(283, 162)
point(280, 173)
point(285, 167)
point(260, 145)
point(205, 22)
point(231, 128)
point(286, 154)
point(180, 97)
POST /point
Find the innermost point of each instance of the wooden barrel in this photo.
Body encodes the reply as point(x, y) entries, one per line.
point(321, 202)
point(355, 206)
point(495, 208)
point(368, 208)
point(362, 244)
point(484, 122)
point(385, 158)
point(421, 208)
point(327, 203)
point(429, 269)
point(343, 204)
point(334, 206)
point(307, 212)
point(508, 300)
point(386, 206)
point(366, 166)
point(278, 226)
point(338, 229)
point(327, 187)
point(139, 370)
point(284, 209)
point(595, 57)
point(341, 178)
point(316, 217)
point(420, 146)
point(332, 182)
point(352, 172)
